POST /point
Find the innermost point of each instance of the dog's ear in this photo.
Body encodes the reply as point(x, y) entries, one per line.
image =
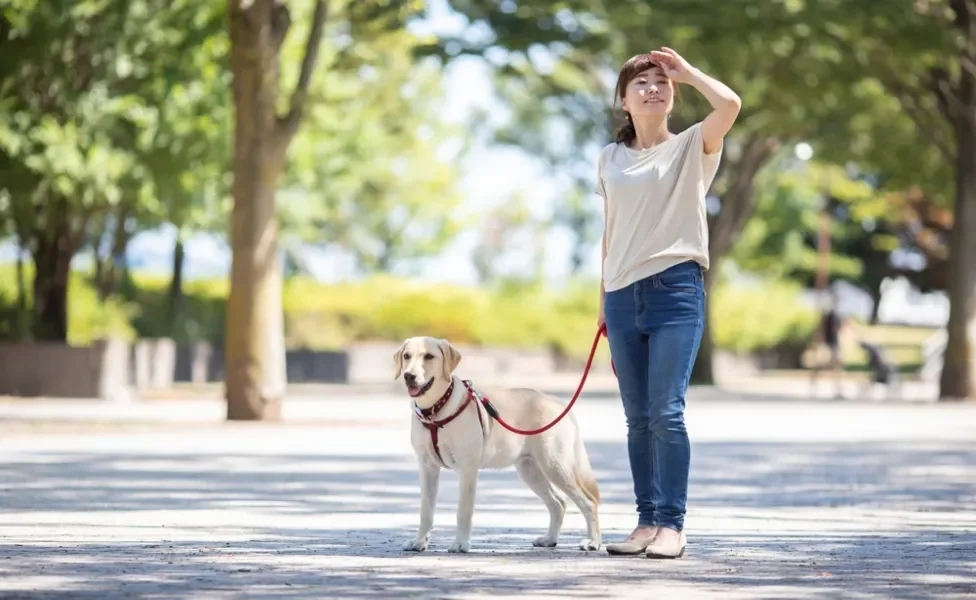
point(451, 358)
point(398, 361)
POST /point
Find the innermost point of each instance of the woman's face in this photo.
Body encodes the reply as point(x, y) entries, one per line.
point(649, 92)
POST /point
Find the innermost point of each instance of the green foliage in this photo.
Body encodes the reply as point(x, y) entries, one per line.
point(121, 137)
point(331, 316)
point(112, 126)
point(763, 316)
point(88, 318)
point(557, 62)
point(134, 131)
point(387, 308)
point(369, 171)
point(867, 225)
point(781, 239)
point(202, 316)
point(904, 59)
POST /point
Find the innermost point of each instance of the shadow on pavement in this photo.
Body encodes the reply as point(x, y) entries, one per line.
point(826, 567)
point(927, 560)
point(921, 476)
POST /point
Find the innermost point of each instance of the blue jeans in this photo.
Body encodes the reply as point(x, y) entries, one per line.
point(654, 327)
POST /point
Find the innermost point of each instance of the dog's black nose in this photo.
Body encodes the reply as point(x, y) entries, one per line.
point(410, 378)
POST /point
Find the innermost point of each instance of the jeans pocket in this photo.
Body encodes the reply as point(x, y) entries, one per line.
point(683, 281)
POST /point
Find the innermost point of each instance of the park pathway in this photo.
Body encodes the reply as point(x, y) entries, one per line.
point(792, 499)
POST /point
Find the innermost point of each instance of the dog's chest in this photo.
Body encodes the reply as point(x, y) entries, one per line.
point(451, 446)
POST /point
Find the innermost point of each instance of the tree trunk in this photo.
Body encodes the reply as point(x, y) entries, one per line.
point(107, 267)
point(103, 261)
point(388, 248)
point(101, 268)
point(875, 293)
point(52, 267)
point(703, 371)
point(254, 337)
point(255, 387)
point(254, 347)
point(958, 379)
point(23, 316)
point(176, 281)
point(21, 281)
point(738, 204)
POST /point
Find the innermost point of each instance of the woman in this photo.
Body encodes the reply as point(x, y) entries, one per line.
point(655, 251)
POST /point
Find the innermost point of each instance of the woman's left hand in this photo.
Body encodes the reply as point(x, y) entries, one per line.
point(674, 66)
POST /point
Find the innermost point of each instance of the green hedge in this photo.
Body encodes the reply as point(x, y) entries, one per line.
point(761, 316)
point(88, 319)
point(321, 316)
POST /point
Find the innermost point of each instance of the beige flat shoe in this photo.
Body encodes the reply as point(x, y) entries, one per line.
point(636, 543)
point(667, 544)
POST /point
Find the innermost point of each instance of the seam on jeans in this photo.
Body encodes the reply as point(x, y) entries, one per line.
point(638, 305)
point(702, 307)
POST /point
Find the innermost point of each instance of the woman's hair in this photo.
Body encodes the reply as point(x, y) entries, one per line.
point(636, 64)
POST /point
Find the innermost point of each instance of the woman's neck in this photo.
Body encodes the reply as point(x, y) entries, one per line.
point(651, 131)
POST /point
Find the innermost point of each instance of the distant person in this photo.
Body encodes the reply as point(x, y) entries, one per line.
point(829, 333)
point(831, 330)
point(652, 298)
point(883, 371)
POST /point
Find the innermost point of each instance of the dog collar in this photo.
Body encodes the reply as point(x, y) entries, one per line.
point(428, 413)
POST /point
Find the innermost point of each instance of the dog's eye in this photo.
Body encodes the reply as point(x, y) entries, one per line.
point(406, 357)
point(428, 356)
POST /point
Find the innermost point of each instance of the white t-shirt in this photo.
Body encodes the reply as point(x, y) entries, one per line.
point(656, 215)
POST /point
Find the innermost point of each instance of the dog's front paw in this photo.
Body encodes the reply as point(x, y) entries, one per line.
point(418, 545)
point(459, 548)
point(545, 542)
point(590, 545)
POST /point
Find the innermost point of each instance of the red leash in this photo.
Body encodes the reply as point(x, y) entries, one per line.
point(586, 370)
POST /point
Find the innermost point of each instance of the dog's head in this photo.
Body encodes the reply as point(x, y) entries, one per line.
point(427, 365)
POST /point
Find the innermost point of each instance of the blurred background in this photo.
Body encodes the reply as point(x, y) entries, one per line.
point(233, 196)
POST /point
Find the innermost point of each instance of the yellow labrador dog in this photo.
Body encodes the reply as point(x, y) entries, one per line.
point(453, 430)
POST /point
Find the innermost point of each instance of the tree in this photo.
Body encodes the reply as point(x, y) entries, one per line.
point(372, 172)
point(577, 214)
point(924, 56)
point(74, 141)
point(254, 341)
point(254, 349)
point(510, 232)
point(781, 241)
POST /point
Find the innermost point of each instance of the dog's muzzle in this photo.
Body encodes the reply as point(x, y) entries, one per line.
point(414, 390)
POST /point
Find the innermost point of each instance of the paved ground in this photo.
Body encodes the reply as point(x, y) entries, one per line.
point(774, 384)
point(793, 499)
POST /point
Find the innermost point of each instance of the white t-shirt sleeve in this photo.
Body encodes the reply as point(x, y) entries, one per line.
point(599, 187)
point(709, 162)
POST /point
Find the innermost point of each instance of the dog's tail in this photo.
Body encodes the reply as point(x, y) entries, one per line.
point(584, 472)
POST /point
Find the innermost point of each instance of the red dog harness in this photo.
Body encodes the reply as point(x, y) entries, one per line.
point(426, 415)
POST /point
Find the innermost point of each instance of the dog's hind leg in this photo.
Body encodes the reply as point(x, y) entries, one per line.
point(581, 491)
point(529, 472)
